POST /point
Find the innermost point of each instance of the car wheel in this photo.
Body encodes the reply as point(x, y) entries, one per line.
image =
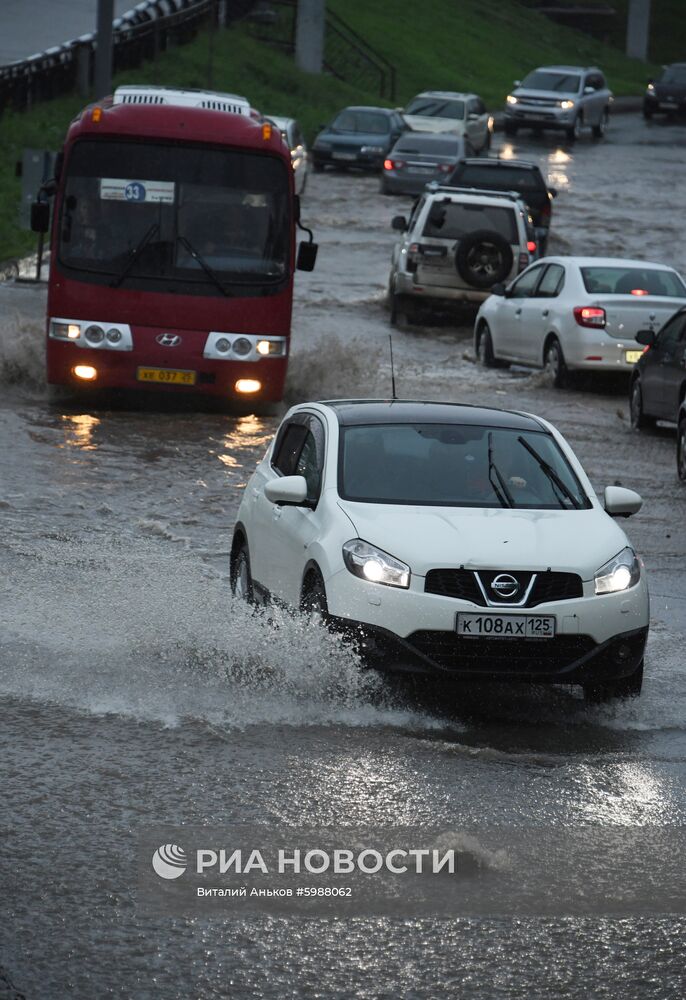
point(240, 576)
point(313, 599)
point(510, 128)
point(484, 350)
point(574, 131)
point(625, 687)
point(483, 258)
point(681, 451)
point(639, 420)
point(555, 365)
point(600, 129)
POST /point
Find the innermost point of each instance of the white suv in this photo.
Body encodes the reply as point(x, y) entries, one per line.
point(456, 245)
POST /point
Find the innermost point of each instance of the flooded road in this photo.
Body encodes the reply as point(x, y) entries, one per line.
point(134, 692)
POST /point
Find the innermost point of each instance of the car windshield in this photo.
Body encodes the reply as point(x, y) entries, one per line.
point(542, 79)
point(633, 281)
point(436, 107)
point(159, 200)
point(429, 146)
point(452, 220)
point(498, 178)
point(456, 465)
point(674, 74)
point(361, 121)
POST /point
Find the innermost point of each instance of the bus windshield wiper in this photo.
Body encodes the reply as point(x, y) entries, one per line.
point(495, 478)
point(135, 254)
point(552, 476)
point(212, 275)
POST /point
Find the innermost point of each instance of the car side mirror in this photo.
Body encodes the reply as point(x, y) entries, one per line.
point(517, 83)
point(620, 502)
point(307, 256)
point(552, 192)
point(589, 90)
point(399, 222)
point(498, 288)
point(40, 216)
point(289, 491)
point(646, 337)
point(472, 116)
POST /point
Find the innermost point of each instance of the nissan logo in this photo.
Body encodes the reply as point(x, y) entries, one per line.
point(505, 585)
point(168, 339)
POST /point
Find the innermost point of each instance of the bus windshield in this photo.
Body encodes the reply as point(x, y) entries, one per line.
point(145, 215)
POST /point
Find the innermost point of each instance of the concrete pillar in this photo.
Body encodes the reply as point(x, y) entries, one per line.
point(309, 35)
point(638, 29)
point(103, 53)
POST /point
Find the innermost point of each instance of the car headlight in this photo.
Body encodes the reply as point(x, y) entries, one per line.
point(511, 99)
point(565, 105)
point(650, 88)
point(371, 149)
point(620, 573)
point(375, 565)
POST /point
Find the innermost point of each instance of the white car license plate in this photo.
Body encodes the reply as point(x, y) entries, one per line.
point(344, 156)
point(506, 626)
point(631, 357)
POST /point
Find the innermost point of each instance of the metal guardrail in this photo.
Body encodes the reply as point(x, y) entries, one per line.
point(347, 55)
point(150, 28)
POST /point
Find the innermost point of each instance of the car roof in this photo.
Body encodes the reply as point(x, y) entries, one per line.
point(476, 196)
point(367, 107)
point(477, 161)
point(460, 95)
point(606, 262)
point(567, 69)
point(355, 412)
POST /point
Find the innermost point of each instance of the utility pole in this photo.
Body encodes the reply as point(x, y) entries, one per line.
point(103, 51)
point(309, 35)
point(638, 29)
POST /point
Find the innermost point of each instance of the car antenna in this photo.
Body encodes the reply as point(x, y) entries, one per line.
point(393, 392)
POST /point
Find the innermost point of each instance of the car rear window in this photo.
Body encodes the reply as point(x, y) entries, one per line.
point(362, 121)
point(436, 107)
point(499, 178)
point(541, 79)
point(632, 281)
point(452, 220)
point(431, 147)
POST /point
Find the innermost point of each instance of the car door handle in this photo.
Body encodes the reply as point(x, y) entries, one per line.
point(277, 512)
point(546, 312)
point(518, 312)
point(255, 492)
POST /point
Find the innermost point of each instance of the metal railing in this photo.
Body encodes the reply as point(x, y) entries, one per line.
point(347, 55)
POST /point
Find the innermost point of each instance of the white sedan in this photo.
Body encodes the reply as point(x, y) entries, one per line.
point(447, 539)
point(576, 313)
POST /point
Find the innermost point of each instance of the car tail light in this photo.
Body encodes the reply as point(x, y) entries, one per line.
point(388, 164)
point(393, 164)
point(531, 246)
point(413, 248)
point(592, 316)
point(446, 168)
point(524, 261)
point(640, 291)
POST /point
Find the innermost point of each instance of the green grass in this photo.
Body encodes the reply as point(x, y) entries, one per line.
point(480, 45)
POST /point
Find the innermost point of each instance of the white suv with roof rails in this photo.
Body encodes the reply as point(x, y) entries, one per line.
point(457, 244)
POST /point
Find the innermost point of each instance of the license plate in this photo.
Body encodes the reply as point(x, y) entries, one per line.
point(170, 376)
point(506, 626)
point(420, 170)
point(631, 357)
point(344, 156)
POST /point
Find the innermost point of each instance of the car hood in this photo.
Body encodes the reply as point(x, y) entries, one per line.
point(551, 95)
point(431, 123)
point(670, 89)
point(489, 538)
point(354, 139)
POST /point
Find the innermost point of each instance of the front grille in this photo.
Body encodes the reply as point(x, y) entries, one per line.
point(462, 584)
point(501, 656)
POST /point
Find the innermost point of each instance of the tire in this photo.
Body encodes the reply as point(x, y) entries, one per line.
point(313, 600)
point(625, 687)
point(574, 131)
point(510, 128)
point(639, 420)
point(555, 364)
point(681, 450)
point(600, 129)
point(484, 351)
point(483, 258)
point(241, 576)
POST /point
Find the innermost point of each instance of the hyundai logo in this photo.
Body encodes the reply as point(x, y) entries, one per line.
point(168, 339)
point(505, 585)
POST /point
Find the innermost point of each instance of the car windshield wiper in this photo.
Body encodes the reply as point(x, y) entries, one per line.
point(135, 254)
point(552, 476)
point(212, 275)
point(495, 478)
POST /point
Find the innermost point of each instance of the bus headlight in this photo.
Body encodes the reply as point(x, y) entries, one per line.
point(248, 385)
point(85, 372)
point(94, 335)
point(267, 347)
point(64, 331)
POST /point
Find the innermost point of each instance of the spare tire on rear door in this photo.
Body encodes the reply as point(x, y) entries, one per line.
point(483, 258)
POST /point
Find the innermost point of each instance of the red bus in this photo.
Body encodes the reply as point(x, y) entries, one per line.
point(172, 247)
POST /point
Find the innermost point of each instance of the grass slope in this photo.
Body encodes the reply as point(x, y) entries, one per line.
point(479, 45)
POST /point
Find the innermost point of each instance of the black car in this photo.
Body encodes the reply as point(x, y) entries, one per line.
point(667, 94)
point(357, 137)
point(658, 382)
point(511, 175)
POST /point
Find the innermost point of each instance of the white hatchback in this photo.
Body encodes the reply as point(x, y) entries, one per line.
point(571, 313)
point(449, 540)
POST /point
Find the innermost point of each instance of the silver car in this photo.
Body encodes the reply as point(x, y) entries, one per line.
point(419, 158)
point(293, 137)
point(566, 98)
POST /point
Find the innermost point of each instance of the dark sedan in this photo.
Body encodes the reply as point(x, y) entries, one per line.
point(667, 94)
point(357, 137)
point(658, 384)
point(418, 158)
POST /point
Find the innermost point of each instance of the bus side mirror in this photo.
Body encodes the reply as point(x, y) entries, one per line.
point(307, 256)
point(40, 216)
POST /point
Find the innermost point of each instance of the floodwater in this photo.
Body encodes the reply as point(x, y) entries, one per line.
point(135, 692)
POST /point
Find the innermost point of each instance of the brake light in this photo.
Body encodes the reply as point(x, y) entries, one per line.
point(446, 168)
point(640, 291)
point(393, 164)
point(592, 316)
point(388, 164)
point(531, 246)
point(413, 248)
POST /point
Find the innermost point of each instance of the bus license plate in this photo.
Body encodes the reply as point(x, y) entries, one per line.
point(632, 357)
point(169, 376)
point(506, 626)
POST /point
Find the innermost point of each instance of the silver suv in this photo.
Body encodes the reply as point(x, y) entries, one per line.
point(567, 98)
point(457, 244)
